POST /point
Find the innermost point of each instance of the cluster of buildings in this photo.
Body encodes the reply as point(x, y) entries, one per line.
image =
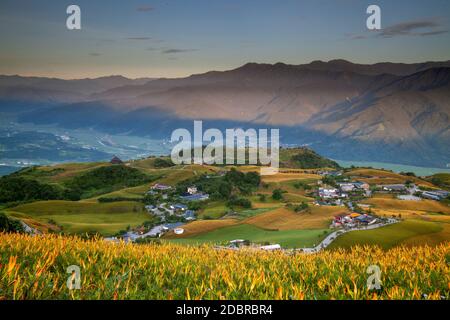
point(240, 243)
point(435, 194)
point(333, 173)
point(193, 194)
point(335, 196)
point(393, 187)
point(353, 220)
point(412, 192)
point(178, 209)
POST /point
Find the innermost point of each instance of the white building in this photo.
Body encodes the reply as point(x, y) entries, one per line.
point(192, 190)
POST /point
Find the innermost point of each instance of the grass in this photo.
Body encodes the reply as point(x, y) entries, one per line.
point(79, 217)
point(214, 210)
point(389, 236)
point(62, 172)
point(286, 238)
point(252, 212)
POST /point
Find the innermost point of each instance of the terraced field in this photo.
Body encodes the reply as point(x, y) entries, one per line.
point(405, 232)
point(286, 238)
point(268, 219)
point(81, 217)
point(376, 176)
point(395, 204)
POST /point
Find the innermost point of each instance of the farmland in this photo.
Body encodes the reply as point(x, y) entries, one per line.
point(81, 217)
point(129, 271)
point(286, 238)
point(112, 199)
point(390, 236)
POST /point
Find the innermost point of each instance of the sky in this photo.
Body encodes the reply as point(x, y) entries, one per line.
point(176, 38)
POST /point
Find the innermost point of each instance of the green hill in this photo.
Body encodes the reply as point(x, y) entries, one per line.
point(42, 183)
point(304, 158)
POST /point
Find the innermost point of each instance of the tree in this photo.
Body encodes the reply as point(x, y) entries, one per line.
point(301, 207)
point(10, 225)
point(277, 194)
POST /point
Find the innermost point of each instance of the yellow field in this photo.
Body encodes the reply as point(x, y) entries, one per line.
point(374, 176)
point(285, 219)
point(202, 226)
point(169, 271)
point(395, 204)
point(279, 177)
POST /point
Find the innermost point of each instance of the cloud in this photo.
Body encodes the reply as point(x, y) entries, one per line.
point(356, 36)
point(412, 28)
point(174, 51)
point(139, 38)
point(145, 8)
point(417, 28)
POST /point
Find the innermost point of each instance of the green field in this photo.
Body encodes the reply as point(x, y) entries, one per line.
point(387, 237)
point(252, 212)
point(81, 217)
point(286, 238)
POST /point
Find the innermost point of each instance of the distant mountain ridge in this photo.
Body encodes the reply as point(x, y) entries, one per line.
point(386, 112)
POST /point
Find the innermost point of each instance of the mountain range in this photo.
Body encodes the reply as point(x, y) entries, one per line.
point(386, 112)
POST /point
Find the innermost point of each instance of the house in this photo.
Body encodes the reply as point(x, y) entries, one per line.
point(351, 186)
point(325, 193)
point(139, 230)
point(435, 194)
point(271, 247)
point(116, 160)
point(161, 187)
point(392, 187)
point(431, 195)
point(192, 190)
point(178, 207)
point(346, 187)
point(361, 185)
point(171, 226)
point(330, 173)
point(189, 215)
point(339, 220)
point(178, 230)
point(195, 197)
point(150, 208)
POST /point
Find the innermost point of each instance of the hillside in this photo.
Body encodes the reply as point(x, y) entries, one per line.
point(304, 158)
point(100, 198)
point(48, 183)
point(207, 273)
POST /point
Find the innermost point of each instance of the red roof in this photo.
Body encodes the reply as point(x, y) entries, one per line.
point(116, 160)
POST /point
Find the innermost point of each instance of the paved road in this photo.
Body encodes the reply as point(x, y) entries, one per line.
point(331, 237)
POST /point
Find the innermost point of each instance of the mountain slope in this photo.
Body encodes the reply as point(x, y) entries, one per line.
point(384, 112)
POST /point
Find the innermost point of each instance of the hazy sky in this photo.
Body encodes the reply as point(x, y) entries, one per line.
point(174, 38)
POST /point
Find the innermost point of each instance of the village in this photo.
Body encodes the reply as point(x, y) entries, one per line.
point(170, 209)
point(173, 209)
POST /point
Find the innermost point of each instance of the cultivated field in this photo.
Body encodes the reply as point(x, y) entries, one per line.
point(168, 271)
point(81, 217)
point(405, 232)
